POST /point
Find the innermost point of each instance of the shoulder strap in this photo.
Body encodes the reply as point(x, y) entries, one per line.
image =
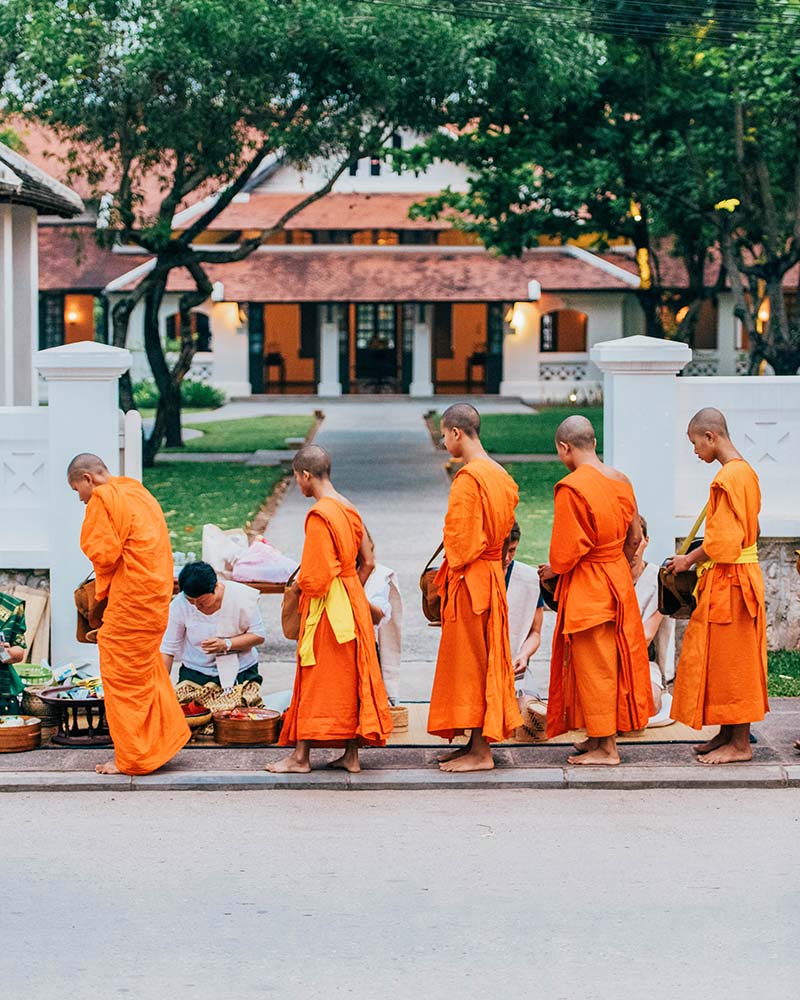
point(692, 534)
point(435, 554)
point(290, 581)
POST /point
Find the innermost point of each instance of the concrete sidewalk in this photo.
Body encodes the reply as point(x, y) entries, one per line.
point(775, 764)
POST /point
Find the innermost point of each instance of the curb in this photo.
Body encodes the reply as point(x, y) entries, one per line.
point(633, 778)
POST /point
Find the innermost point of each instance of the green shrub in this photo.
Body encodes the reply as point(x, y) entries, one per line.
point(198, 395)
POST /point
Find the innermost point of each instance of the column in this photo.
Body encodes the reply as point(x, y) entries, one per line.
point(231, 350)
point(639, 425)
point(6, 308)
point(421, 357)
point(521, 350)
point(727, 335)
point(329, 382)
point(83, 415)
point(26, 304)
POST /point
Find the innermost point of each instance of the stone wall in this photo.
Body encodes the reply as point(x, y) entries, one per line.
point(38, 579)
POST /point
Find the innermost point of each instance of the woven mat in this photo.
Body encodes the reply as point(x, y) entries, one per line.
point(418, 736)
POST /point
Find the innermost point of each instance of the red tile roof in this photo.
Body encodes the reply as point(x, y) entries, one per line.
point(334, 211)
point(71, 260)
point(397, 276)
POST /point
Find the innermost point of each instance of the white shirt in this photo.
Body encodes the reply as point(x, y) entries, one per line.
point(188, 627)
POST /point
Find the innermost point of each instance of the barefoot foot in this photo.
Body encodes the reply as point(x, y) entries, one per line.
point(727, 754)
point(289, 765)
point(607, 757)
point(453, 755)
point(108, 768)
point(472, 761)
point(592, 743)
point(347, 762)
point(719, 740)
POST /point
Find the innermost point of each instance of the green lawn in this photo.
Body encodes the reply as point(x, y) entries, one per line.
point(248, 433)
point(192, 494)
point(531, 433)
point(535, 511)
point(784, 673)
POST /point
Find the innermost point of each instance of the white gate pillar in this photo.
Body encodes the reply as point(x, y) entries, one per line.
point(640, 410)
point(83, 415)
point(421, 356)
point(329, 383)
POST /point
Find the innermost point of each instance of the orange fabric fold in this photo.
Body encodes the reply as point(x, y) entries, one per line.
point(473, 687)
point(341, 696)
point(721, 677)
point(599, 671)
point(125, 536)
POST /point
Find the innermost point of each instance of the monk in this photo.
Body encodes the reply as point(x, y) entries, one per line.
point(339, 698)
point(473, 688)
point(125, 536)
point(722, 670)
point(600, 670)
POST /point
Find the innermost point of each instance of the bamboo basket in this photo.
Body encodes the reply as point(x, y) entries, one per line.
point(399, 715)
point(263, 729)
point(16, 739)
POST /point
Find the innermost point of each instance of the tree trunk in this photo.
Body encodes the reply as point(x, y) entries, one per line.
point(120, 321)
point(153, 298)
point(172, 429)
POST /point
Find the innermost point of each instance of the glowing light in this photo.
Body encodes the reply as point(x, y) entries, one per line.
point(518, 318)
point(573, 397)
point(764, 311)
point(72, 316)
point(681, 314)
point(509, 315)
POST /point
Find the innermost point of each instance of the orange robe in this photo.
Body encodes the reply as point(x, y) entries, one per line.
point(341, 696)
point(600, 670)
point(125, 536)
point(721, 678)
point(473, 687)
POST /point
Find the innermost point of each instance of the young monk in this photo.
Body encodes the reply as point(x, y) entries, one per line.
point(722, 670)
point(339, 698)
point(599, 672)
point(473, 688)
point(125, 536)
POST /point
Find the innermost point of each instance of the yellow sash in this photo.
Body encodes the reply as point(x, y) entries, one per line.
point(749, 555)
point(336, 604)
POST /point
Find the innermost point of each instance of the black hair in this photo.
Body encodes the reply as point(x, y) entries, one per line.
point(197, 579)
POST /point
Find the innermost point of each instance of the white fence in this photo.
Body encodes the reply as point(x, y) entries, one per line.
point(40, 516)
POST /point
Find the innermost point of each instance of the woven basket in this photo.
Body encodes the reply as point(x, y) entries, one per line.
point(16, 739)
point(399, 715)
point(263, 729)
point(32, 704)
point(198, 721)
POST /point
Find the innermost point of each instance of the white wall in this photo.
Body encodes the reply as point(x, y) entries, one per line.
point(763, 416)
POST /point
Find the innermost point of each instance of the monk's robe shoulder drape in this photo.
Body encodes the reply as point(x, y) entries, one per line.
point(592, 515)
point(473, 686)
point(125, 537)
point(721, 677)
point(338, 690)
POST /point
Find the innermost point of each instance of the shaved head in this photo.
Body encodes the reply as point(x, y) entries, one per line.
point(709, 419)
point(463, 416)
point(314, 460)
point(577, 432)
point(86, 464)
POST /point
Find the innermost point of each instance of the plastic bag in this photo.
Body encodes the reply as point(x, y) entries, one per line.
point(221, 548)
point(263, 563)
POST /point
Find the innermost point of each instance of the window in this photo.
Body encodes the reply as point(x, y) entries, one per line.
point(375, 166)
point(354, 168)
point(564, 331)
point(375, 326)
point(51, 320)
point(417, 237)
point(199, 327)
point(72, 317)
point(397, 140)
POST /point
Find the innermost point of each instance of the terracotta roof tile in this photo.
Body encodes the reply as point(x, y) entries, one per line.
point(70, 259)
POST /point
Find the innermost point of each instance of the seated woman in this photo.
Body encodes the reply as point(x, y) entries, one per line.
point(658, 630)
point(213, 629)
point(12, 650)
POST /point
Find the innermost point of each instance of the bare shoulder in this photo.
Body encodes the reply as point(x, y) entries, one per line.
point(615, 474)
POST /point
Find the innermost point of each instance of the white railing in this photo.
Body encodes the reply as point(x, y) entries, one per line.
point(564, 367)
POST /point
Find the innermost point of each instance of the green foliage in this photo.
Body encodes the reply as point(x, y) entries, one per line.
point(192, 494)
point(249, 433)
point(783, 680)
point(535, 510)
point(530, 433)
point(194, 394)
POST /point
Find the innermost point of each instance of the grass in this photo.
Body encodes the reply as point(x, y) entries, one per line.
point(532, 433)
point(248, 433)
point(535, 511)
point(783, 680)
point(192, 494)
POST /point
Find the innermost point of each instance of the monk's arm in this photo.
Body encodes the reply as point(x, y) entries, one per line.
point(633, 538)
point(724, 533)
point(464, 537)
point(319, 564)
point(365, 560)
point(100, 540)
point(570, 540)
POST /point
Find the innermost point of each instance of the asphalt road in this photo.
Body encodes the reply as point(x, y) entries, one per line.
point(552, 895)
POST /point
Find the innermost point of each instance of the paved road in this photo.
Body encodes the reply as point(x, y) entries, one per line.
point(560, 896)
